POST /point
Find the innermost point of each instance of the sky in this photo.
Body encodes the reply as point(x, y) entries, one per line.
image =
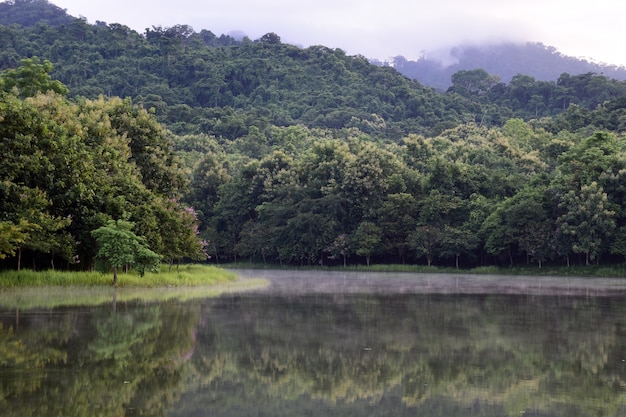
point(382, 29)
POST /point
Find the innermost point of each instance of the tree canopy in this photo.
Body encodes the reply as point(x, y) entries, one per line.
point(227, 149)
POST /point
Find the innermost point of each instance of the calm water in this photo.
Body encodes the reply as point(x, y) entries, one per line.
point(327, 345)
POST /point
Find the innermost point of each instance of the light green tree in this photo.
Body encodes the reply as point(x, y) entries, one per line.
point(588, 219)
point(30, 78)
point(119, 246)
point(11, 237)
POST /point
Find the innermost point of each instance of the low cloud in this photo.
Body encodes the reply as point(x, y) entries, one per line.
point(381, 30)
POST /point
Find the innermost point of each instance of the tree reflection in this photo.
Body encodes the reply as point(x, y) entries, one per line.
point(101, 362)
point(401, 355)
point(548, 355)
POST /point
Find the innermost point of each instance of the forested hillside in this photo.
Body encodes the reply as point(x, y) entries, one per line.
point(265, 151)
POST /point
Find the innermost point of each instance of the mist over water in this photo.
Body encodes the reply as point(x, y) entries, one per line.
point(330, 282)
point(328, 343)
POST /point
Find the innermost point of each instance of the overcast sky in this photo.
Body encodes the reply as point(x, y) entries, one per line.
point(382, 29)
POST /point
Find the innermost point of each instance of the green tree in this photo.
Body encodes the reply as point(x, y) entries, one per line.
point(30, 78)
point(470, 83)
point(396, 218)
point(366, 240)
point(456, 241)
point(425, 240)
point(45, 231)
point(150, 148)
point(178, 232)
point(340, 247)
point(12, 236)
point(119, 246)
point(618, 247)
point(588, 218)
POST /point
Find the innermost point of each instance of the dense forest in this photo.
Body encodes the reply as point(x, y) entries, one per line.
point(256, 149)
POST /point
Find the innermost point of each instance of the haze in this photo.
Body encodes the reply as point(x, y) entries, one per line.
point(381, 30)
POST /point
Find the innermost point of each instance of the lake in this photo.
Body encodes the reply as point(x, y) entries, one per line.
point(327, 344)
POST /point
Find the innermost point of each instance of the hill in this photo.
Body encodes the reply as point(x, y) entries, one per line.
point(505, 60)
point(295, 155)
point(198, 82)
point(31, 12)
point(193, 79)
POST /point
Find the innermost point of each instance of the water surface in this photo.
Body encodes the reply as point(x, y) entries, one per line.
point(328, 344)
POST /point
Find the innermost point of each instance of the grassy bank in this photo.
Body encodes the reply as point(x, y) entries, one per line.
point(28, 289)
point(25, 298)
point(186, 275)
point(604, 271)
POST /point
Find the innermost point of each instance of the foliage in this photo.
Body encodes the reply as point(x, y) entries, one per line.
point(264, 150)
point(30, 78)
point(11, 237)
point(118, 246)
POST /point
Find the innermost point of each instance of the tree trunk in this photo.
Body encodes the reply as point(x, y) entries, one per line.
point(19, 258)
point(115, 276)
point(217, 258)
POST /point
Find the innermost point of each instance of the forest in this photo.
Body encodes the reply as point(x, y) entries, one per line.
point(227, 150)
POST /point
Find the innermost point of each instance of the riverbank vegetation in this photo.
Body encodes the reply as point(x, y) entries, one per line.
point(183, 276)
point(600, 271)
point(267, 152)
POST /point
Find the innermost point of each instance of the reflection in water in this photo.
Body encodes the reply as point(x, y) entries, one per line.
point(319, 355)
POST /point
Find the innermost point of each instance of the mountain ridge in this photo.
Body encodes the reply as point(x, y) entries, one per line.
point(506, 60)
point(433, 69)
point(197, 82)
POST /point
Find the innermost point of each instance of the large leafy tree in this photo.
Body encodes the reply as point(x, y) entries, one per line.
point(68, 167)
point(521, 223)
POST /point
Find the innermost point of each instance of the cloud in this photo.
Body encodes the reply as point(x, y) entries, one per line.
point(379, 29)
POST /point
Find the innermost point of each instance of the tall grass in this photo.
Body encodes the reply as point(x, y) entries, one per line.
point(186, 275)
point(24, 298)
